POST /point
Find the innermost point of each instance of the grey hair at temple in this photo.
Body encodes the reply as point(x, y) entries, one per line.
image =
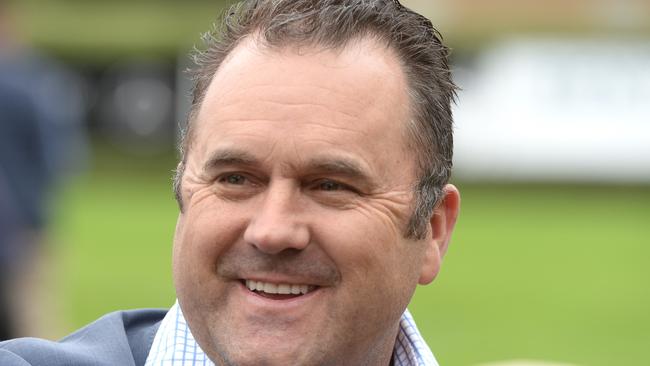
point(332, 24)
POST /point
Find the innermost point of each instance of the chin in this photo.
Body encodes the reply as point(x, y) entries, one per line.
point(257, 346)
point(268, 355)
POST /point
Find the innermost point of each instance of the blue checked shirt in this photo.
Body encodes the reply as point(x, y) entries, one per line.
point(174, 344)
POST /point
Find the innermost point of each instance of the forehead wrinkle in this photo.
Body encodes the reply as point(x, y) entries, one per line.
point(241, 104)
point(271, 89)
point(243, 112)
point(336, 125)
point(288, 103)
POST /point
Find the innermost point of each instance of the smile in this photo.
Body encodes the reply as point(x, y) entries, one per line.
point(270, 288)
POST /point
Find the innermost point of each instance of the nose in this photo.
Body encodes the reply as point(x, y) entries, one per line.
point(278, 224)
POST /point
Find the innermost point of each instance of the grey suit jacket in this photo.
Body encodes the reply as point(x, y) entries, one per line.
point(122, 338)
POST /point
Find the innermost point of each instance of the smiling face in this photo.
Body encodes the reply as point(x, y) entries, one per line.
point(297, 191)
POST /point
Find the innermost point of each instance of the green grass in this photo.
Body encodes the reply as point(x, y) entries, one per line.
point(114, 227)
point(546, 272)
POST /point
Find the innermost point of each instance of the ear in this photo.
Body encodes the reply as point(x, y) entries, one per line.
point(442, 225)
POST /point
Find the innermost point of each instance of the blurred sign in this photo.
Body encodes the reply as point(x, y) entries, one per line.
point(574, 110)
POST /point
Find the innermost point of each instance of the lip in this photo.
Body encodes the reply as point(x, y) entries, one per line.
point(264, 303)
point(279, 278)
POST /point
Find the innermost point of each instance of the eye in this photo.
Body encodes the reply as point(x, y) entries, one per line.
point(237, 185)
point(331, 193)
point(235, 179)
point(329, 185)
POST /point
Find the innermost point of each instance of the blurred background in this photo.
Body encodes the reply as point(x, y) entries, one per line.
point(550, 258)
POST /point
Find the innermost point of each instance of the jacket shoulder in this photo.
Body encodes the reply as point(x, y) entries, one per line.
point(119, 338)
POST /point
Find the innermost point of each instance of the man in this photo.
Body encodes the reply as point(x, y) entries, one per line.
point(313, 196)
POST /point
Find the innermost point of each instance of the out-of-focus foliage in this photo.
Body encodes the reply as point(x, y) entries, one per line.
point(104, 31)
point(100, 30)
point(471, 24)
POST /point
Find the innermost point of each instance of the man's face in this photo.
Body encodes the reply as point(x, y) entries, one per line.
point(298, 185)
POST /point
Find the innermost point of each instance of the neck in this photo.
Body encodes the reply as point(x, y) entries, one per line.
point(381, 352)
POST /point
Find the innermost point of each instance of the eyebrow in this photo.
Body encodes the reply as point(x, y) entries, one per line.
point(333, 165)
point(229, 157)
point(339, 166)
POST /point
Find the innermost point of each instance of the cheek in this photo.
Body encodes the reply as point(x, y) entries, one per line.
point(377, 278)
point(371, 248)
point(205, 234)
point(361, 244)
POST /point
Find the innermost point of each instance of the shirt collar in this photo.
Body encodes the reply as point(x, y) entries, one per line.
point(174, 344)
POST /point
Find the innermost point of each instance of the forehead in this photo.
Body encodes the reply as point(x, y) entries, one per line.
point(362, 74)
point(356, 95)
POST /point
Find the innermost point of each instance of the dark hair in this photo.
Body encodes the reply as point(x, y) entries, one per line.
point(333, 24)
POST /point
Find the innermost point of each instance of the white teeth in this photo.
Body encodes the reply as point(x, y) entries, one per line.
point(270, 288)
point(251, 285)
point(278, 288)
point(295, 289)
point(284, 289)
